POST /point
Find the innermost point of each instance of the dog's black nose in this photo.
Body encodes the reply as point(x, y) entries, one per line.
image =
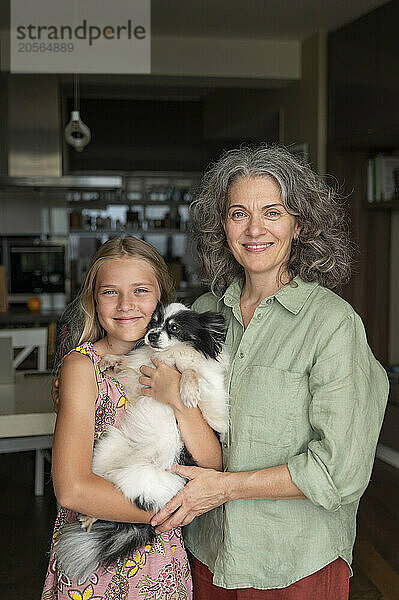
point(152, 337)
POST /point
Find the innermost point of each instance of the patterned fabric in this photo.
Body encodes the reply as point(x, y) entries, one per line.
point(155, 572)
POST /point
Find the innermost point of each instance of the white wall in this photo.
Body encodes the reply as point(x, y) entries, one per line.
point(215, 57)
point(304, 102)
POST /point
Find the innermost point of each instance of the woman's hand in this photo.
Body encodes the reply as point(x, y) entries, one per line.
point(162, 383)
point(55, 394)
point(205, 490)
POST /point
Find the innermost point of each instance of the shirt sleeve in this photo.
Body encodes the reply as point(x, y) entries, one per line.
point(205, 302)
point(349, 390)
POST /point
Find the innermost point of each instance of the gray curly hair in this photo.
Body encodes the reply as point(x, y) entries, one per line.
point(322, 251)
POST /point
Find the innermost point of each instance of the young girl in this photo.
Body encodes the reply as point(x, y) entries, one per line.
point(125, 280)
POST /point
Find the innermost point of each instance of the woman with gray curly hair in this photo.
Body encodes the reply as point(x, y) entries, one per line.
point(307, 396)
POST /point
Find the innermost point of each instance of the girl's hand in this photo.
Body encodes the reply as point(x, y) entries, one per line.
point(206, 490)
point(162, 383)
point(55, 394)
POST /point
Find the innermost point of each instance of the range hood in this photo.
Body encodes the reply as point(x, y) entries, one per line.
point(32, 112)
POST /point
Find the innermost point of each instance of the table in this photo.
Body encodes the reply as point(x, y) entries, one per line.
point(27, 418)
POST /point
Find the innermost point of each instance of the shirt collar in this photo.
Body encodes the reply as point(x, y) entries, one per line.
point(232, 295)
point(292, 296)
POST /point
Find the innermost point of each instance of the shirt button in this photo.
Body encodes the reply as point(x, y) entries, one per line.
point(241, 355)
point(259, 316)
point(269, 300)
point(225, 445)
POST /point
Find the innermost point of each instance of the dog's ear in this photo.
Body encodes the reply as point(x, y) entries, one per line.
point(139, 344)
point(213, 332)
point(159, 311)
point(157, 316)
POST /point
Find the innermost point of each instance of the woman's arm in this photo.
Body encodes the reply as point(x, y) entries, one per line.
point(75, 485)
point(208, 489)
point(163, 384)
point(349, 392)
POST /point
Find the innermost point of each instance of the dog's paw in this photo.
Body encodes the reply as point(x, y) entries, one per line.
point(145, 504)
point(155, 489)
point(189, 388)
point(108, 362)
point(86, 522)
point(116, 363)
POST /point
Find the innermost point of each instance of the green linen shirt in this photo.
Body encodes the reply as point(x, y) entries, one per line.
point(305, 390)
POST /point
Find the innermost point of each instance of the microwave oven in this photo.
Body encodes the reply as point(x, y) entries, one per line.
point(36, 268)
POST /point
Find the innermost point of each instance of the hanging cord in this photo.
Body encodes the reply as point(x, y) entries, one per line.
point(75, 76)
point(76, 93)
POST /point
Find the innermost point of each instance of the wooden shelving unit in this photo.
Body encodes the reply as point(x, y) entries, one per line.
point(392, 205)
point(363, 121)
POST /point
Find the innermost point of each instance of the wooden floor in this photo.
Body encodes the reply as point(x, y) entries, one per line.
point(26, 523)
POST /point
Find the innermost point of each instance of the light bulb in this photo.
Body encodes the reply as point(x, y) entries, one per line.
point(76, 132)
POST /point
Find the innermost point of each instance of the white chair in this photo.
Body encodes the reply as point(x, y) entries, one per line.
point(28, 339)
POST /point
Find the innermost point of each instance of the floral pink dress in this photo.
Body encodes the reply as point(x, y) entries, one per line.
point(155, 572)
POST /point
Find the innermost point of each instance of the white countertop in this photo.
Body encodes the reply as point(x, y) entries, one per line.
point(26, 407)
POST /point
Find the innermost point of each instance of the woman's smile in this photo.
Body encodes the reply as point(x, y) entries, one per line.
point(257, 247)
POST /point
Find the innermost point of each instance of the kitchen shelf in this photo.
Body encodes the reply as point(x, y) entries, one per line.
point(100, 203)
point(383, 205)
point(64, 182)
point(101, 232)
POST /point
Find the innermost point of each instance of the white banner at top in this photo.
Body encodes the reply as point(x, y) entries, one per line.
point(80, 36)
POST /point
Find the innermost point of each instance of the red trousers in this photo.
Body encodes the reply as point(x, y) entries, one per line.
point(330, 583)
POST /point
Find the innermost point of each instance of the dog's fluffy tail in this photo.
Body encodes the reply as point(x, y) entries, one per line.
point(79, 552)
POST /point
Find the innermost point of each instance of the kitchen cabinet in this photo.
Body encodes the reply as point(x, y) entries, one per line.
point(27, 212)
point(363, 121)
point(364, 80)
point(21, 214)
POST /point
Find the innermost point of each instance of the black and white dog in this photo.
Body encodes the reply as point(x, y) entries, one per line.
point(137, 457)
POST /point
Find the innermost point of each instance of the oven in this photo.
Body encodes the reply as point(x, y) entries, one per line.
point(36, 268)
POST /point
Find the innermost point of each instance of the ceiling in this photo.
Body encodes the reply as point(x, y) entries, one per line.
point(229, 19)
point(226, 19)
point(266, 19)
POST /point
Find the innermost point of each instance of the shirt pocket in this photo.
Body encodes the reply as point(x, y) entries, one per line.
point(264, 407)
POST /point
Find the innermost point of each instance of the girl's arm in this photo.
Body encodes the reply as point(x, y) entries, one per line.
point(75, 485)
point(163, 384)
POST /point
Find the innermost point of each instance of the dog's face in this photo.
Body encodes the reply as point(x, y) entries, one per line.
point(175, 323)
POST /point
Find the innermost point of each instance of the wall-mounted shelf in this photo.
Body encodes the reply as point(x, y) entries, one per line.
point(81, 182)
point(113, 232)
point(122, 200)
point(389, 205)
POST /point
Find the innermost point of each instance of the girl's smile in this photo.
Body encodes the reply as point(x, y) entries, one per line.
point(126, 320)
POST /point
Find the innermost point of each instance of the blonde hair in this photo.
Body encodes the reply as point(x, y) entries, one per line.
point(79, 322)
